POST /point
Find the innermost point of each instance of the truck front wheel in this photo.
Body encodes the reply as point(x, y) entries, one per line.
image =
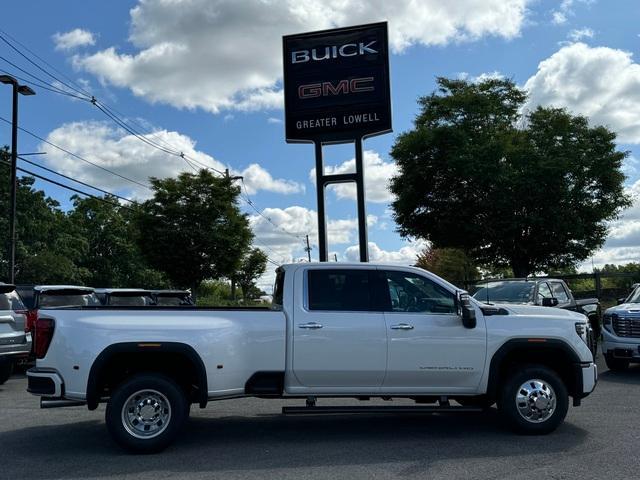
point(534, 400)
point(146, 413)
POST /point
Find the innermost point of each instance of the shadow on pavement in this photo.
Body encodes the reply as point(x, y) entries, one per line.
point(233, 443)
point(629, 377)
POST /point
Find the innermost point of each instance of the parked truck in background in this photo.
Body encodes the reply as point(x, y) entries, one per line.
point(545, 292)
point(621, 333)
point(334, 330)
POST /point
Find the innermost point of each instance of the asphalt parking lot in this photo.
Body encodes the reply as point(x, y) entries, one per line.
point(249, 438)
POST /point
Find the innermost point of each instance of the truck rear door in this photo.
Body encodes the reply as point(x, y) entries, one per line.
point(339, 334)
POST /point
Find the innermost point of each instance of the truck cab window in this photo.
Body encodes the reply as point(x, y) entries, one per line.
point(340, 290)
point(559, 292)
point(410, 292)
point(543, 292)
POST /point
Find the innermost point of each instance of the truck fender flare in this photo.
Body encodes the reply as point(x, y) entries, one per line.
point(538, 344)
point(145, 347)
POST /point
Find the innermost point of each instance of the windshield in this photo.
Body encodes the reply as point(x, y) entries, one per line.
point(61, 299)
point(505, 292)
point(173, 300)
point(634, 297)
point(129, 300)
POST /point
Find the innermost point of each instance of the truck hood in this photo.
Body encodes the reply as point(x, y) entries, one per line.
point(532, 310)
point(624, 308)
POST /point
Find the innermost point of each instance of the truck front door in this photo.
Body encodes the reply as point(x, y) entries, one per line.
point(339, 335)
point(429, 349)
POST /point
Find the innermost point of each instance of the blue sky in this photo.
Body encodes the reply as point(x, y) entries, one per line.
point(204, 77)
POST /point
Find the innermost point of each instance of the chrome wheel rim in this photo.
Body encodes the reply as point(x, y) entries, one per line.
point(146, 414)
point(536, 401)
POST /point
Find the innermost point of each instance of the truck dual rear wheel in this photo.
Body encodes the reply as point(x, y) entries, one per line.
point(534, 400)
point(146, 413)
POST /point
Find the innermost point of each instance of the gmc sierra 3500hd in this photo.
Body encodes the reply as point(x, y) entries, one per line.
point(334, 330)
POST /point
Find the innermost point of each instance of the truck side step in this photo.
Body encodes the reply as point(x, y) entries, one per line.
point(349, 409)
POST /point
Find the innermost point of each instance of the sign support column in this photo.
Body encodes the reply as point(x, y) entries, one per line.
point(322, 181)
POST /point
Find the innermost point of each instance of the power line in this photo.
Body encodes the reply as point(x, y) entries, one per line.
point(76, 181)
point(77, 156)
point(79, 91)
point(116, 117)
point(104, 200)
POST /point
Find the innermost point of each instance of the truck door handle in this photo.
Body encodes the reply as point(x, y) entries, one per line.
point(402, 326)
point(310, 325)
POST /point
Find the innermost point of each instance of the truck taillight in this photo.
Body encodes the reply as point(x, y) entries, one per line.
point(32, 316)
point(44, 334)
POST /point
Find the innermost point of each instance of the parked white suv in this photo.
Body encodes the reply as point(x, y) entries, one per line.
point(335, 330)
point(15, 343)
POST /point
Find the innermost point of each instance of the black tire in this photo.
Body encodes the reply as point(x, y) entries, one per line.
point(512, 387)
point(6, 369)
point(616, 364)
point(160, 390)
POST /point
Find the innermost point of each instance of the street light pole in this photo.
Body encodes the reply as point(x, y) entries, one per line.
point(23, 90)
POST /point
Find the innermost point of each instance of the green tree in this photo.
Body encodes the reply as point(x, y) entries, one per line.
point(452, 264)
point(252, 265)
point(112, 257)
point(532, 193)
point(192, 229)
point(47, 244)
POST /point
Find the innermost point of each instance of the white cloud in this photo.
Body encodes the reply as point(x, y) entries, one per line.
point(257, 178)
point(226, 54)
point(601, 83)
point(285, 241)
point(114, 149)
point(274, 120)
point(377, 173)
point(561, 15)
point(405, 255)
point(578, 34)
point(623, 243)
point(73, 39)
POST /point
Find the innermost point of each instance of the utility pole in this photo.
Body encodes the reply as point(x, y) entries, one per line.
point(308, 249)
point(22, 90)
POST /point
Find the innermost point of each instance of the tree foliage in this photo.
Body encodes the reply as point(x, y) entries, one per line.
point(112, 256)
point(251, 267)
point(192, 228)
point(47, 243)
point(532, 193)
point(452, 264)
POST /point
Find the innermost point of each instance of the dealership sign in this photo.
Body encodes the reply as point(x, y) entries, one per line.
point(336, 84)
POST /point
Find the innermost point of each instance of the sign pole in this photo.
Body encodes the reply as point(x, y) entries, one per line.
point(322, 216)
point(362, 206)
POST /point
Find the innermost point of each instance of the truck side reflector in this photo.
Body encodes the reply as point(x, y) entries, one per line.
point(149, 345)
point(536, 340)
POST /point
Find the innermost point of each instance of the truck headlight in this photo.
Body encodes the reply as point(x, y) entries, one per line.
point(606, 321)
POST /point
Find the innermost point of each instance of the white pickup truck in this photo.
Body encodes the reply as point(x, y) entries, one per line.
point(335, 330)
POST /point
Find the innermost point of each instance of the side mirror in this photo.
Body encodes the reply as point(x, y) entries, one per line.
point(620, 301)
point(466, 310)
point(549, 302)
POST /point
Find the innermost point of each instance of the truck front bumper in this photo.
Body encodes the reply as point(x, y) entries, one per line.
point(620, 347)
point(589, 378)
